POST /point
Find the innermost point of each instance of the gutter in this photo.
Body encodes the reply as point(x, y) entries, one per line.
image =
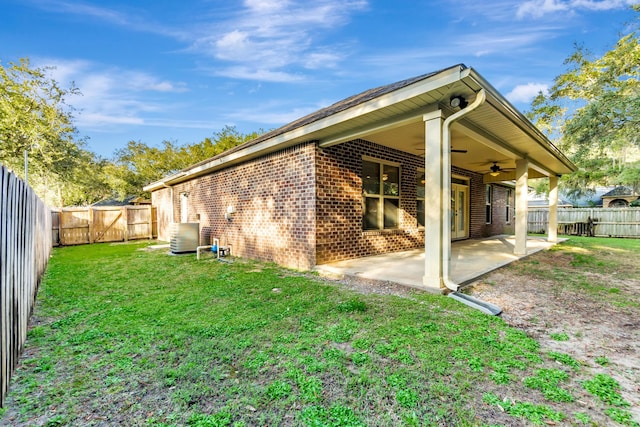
point(518, 119)
point(446, 183)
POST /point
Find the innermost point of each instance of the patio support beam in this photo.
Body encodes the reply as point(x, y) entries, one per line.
point(522, 166)
point(434, 243)
point(552, 231)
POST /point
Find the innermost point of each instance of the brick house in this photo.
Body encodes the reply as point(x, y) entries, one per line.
point(417, 163)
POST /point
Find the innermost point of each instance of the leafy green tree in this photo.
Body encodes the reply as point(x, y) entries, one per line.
point(34, 117)
point(630, 176)
point(593, 112)
point(138, 164)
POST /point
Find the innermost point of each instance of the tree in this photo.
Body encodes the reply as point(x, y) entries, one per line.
point(35, 118)
point(139, 164)
point(593, 112)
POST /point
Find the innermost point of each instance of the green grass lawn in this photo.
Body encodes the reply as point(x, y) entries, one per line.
point(125, 336)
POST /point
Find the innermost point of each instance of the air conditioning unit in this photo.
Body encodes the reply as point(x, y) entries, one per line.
point(184, 237)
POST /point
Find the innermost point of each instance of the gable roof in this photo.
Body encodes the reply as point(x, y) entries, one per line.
point(619, 191)
point(398, 106)
point(324, 113)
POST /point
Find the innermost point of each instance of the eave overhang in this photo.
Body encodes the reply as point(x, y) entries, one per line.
point(394, 118)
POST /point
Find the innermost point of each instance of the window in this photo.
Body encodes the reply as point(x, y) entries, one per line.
point(380, 194)
point(508, 211)
point(488, 199)
point(420, 181)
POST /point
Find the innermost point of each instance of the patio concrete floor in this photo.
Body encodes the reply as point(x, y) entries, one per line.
point(470, 259)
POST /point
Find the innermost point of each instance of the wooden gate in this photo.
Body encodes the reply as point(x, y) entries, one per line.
point(79, 226)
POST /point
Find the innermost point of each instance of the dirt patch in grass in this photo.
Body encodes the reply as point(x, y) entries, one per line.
point(582, 301)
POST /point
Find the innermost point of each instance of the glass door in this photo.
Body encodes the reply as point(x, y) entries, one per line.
point(459, 211)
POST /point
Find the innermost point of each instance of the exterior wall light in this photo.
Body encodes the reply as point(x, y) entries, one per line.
point(458, 101)
point(230, 211)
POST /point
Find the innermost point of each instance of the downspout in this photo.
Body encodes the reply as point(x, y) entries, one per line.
point(446, 183)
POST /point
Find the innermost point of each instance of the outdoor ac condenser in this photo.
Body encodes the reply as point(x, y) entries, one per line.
point(184, 237)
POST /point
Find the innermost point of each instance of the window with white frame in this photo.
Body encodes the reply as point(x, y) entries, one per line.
point(508, 210)
point(420, 186)
point(488, 201)
point(380, 195)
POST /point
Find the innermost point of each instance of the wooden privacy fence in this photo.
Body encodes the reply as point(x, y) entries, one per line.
point(25, 246)
point(607, 222)
point(80, 226)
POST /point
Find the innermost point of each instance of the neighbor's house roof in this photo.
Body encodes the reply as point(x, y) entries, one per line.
point(535, 200)
point(131, 200)
point(620, 190)
point(392, 115)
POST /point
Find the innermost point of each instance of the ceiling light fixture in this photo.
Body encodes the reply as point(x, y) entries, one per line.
point(495, 170)
point(458, 101)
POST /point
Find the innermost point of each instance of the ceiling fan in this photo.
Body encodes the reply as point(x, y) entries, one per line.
point(496, 170)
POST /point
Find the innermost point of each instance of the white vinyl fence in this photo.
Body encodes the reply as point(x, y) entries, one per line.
point(607, 222)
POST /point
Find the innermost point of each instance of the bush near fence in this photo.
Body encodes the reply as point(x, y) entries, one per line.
point(25, 247)
point(607, 222)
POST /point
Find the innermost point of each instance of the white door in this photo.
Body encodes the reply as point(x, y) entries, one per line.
point(184, 210)
point(459, 211)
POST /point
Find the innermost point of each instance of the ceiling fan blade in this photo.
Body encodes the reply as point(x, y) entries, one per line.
point(458, 151)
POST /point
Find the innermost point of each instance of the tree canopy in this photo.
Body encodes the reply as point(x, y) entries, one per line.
point(35, 118)
point(138, 164)
point(592, 112)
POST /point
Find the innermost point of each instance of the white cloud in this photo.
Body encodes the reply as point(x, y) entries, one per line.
point(110, 96)
point(525, 93)
point(273, 113)
point(135, 18)
point(539, 8)
point(265, 5)
point(267, 39)
point(250, 73)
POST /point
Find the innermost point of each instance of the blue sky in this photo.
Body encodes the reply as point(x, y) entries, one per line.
point(154, 70)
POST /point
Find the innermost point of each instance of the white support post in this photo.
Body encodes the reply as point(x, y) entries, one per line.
point(522, 166)
point(434, 199)
point(552, 227)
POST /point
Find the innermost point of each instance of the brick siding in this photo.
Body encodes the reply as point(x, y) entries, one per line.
point(302, 206)
point(498, 224)
point(274, 201)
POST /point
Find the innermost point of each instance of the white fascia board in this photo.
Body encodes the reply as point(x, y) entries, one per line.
point(279, 141)
point(380, 125)
point(165, 182)
point(519, 120)
point(399, 95)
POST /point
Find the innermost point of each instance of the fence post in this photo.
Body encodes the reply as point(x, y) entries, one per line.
point(150, 222)
point(90, 224)
point(125, 219)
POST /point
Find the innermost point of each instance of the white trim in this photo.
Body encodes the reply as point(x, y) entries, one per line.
point(377, 160)
point(381, 197)
point(488, 188)
point(295, 136)
point(423, 172)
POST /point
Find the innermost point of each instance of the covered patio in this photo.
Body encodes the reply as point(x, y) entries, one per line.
point(470, 259)
point(457, 121)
